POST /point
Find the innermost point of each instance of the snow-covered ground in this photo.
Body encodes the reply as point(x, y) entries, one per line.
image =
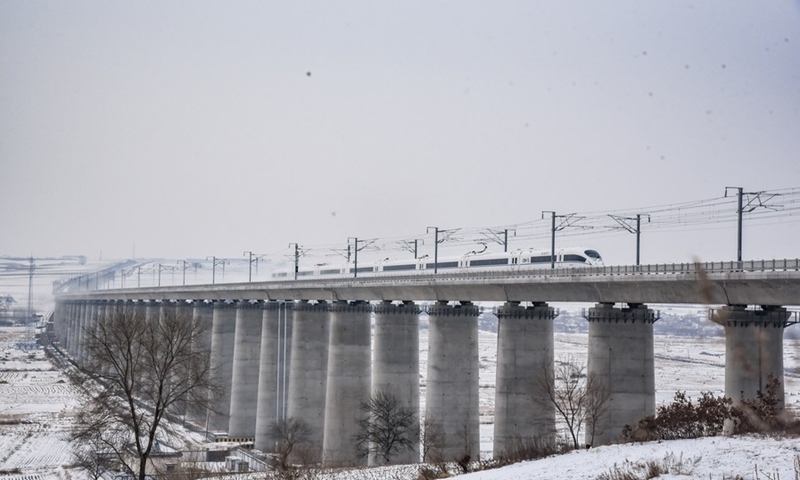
point(37, 405)
point(749, 457)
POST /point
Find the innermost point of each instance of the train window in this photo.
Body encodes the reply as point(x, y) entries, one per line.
point(488, 261)
point(280, 275)
point(541, 259)
point(304, 273)
point(569, 257)
point(335, 271)
point(445, 265)
point(592, 254)
point(364, 269)
point(394, 268)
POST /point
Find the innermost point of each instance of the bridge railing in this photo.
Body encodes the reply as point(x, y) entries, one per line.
point(610, 270)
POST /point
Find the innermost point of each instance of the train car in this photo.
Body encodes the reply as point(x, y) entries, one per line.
point(473, 261)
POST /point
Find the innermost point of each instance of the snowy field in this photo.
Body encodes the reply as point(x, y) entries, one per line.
point(37, 405)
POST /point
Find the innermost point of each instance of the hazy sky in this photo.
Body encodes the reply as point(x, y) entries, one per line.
point(195, 128)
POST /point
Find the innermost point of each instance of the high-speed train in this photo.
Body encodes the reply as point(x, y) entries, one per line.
point(473, 261)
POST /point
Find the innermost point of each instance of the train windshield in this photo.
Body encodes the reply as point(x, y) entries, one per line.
point(592, 254)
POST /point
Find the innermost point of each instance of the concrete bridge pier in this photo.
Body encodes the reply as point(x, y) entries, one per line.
point(152, 310)
point(167, 307)
point(62, 321)
point(69, 322)
point(89, 322)
point(451, 400)
point(73, 335)
point(523, 410)
point(181, 311)
point(80, 324)
point(349, 382)
point(223, 330)
point(107, 310)
point(273, 373)
point(308, 375)
point(753, 348)
point(184, 310)
point(395, 364)
point(69, 325)
point(202, 317)
point(244, 383)
point(58, 312)
point(621, 369)
point(86, 319)
point(69, 319)
point(140, 308)
point(83, 323)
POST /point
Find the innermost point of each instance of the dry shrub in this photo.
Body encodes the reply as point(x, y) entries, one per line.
point(683, 419)
point(765, 413)
point(631, 471)
point(525, 449)
point(669, 465)
point(433, 472)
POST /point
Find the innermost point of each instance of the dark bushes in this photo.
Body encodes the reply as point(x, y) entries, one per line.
point(765, 414)
point(684, 419)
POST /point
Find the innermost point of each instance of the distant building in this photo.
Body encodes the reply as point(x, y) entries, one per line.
point(163, 459)
point(7, 302)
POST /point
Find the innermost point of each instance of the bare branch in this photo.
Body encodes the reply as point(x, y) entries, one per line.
point(143, 368)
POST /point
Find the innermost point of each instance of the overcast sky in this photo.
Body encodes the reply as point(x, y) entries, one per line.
point(187, 129)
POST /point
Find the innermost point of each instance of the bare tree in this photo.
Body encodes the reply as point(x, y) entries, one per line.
point(94, 459)
point(143, 369)
point(388, 428)
point(289, 435)
point(577, 398)
point(432, 440)
point(596, 404)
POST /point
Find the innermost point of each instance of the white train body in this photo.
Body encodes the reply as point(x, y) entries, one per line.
point(519, 260)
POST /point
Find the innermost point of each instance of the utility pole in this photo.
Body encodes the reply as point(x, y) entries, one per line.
point(213, 269)
point(494, 235)
point(552, 237)
point(297, 257)
point(624, 222)
point(435, 247)
point(250, 265)
point(356, 241)
point(755, 200)
point(448, 234)
point(32, 267)
point(411, 246)
point(568, 221)
point(184, 270)
point(739, 210)
point(355, 254)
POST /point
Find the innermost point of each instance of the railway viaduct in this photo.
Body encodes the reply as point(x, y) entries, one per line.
point(306, 349)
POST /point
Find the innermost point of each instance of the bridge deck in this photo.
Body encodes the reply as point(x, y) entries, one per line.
point(763, 282)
